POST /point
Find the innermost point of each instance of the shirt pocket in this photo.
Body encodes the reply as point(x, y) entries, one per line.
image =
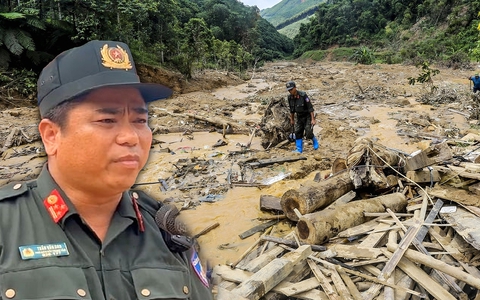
point(161, 283)
point(45, 283)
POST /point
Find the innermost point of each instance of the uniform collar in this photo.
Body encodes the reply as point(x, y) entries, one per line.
point(46, 185)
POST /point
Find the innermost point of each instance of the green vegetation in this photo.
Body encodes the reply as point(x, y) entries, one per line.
point(292, 29)
point(425, 77)
point(183, 35)
point(363, 55)
point(288, 9)
point(403, 31)
point(315, 55)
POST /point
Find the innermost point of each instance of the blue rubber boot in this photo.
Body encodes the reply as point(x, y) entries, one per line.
point(315, 143)
point(299, 144)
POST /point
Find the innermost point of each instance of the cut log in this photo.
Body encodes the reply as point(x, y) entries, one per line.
point(430, 156)
point(317, 228)
point(316, 195)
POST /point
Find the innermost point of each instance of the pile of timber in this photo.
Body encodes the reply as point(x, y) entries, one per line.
point(416, 239)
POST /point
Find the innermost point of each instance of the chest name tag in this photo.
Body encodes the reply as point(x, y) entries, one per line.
point(43, 251)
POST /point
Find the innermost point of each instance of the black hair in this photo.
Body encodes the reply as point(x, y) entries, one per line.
point(59, 114)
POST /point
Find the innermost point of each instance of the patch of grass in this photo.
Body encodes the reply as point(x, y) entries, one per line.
point(388, 57)
point(342, 53)
point(316, 55)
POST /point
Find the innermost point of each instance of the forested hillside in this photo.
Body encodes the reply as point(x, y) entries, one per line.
point(442, 30)
point(187, 35)
point(182, 35)
point(289, 11)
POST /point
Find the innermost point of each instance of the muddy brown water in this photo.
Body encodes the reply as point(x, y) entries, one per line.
point(237, 209)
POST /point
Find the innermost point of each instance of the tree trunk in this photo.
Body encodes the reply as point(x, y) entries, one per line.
point(317, 228)
point(316, 195)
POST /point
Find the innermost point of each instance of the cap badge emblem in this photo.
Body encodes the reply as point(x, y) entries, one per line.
point(115, 58)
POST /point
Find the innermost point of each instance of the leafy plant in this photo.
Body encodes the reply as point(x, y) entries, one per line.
point(425, 77)
point(363, 55)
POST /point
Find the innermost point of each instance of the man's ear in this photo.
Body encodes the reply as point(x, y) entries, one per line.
point(50, 133)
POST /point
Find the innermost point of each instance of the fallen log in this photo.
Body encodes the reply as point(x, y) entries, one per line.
point(315, 196)
point(317, 228)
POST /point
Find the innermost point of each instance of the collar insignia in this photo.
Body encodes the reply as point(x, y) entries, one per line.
point(115, 57)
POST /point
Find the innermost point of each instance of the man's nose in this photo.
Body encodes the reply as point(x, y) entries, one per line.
point(127, 134)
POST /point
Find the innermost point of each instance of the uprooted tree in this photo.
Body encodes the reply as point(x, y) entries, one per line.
point(275, 123)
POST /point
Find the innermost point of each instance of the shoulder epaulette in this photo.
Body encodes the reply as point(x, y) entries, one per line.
point(12, 190)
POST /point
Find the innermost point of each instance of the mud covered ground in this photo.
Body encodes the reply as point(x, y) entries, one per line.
point(194, 165)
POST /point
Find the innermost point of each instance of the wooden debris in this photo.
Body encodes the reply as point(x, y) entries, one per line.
point(466, 224)
point(291, 243)
point(316, 195)
point(317, 228)
point(207, 230)
point(267, 162)
point(270, 203)
point(422, 176)
point(376, 247)
point(432, 155)
point(270, 275)
point(257, 228)
point(457, 195)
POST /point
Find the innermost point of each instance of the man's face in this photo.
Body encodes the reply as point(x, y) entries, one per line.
point(292, 91)
point(104, 144)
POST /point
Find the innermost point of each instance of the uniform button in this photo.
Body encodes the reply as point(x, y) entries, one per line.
point(17, 186)
point(145, 292)
point(185, 289)
point(81, 292)
point(10, 293)
point(135, 195)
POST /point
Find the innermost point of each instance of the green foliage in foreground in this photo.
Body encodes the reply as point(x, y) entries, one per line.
point(425, 77)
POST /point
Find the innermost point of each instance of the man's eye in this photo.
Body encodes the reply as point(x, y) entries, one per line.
point(141, 121)
point(108, 121)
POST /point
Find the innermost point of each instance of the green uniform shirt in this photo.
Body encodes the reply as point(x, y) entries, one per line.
point(300, 104)
point(129, 264)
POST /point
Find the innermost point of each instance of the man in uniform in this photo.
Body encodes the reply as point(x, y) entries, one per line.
point(301, 105)
point(78, 231)
point(476, 82)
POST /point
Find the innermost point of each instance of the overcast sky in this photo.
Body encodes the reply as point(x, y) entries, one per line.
point(262, 4)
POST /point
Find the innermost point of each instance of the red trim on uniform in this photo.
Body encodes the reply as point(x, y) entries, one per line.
point(141, 226)
point(55, 205)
